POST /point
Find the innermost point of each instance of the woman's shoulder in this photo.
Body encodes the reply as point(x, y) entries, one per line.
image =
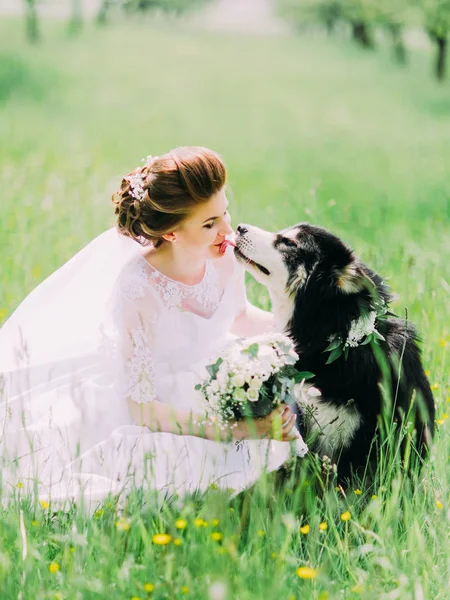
point(132, 282)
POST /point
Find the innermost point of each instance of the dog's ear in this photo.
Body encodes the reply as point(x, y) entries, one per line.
point(352, 279)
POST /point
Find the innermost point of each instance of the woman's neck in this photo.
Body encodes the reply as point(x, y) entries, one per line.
point(177, 264)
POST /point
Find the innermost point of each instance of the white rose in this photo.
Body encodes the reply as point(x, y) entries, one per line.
point(240, 395)
point(237, 381)
point(255, 383)
point(252, 395)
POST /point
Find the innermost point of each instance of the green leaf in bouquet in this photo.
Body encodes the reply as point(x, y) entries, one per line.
point(214, 369)
point(198, 386)
point(252, 350)
point(302, 375)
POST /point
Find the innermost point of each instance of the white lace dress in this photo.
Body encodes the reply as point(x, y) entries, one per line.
point(156, 344)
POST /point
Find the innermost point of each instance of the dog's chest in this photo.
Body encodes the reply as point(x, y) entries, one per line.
point(331, 427)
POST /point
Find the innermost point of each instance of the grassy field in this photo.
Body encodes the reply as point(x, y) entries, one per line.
point(310, 129)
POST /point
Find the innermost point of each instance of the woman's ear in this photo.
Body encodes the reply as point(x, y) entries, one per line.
point(170, 237)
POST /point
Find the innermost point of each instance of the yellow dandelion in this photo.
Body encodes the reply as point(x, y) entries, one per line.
point(161, 539)
point(358, 492)
point(261, 533)
point(184, 589)
point(3, 313)
point(444, 417)
point(323, 526)
point(443, 343)
point(216, 536)
point(98, 513)
point(346, 516)
point(149, 587)
point(323, 595)
point(198, 522)
point(34, 523)
point(435, 386)
point(439, 504)
point(58, 596)
point(440, 421)
point(44, 504)
point(205, 523)
point(448, 398)
point(215, 522)
point(53, 567)
point(123, 524)
point(305, 529)
point(427, 372)
point(177, 541)
point(374, 497)
point(180, 523)
point(306, 572)
point(19, 485)
point(135, 598)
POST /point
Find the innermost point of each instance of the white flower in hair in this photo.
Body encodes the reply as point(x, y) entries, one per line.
point(148, 160)
point(137, 186)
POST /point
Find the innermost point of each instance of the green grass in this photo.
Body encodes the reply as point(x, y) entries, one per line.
point(310, 129)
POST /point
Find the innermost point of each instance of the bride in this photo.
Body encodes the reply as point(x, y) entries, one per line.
point(98, 364)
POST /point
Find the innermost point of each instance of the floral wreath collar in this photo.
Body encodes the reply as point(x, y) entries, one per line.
point(362, 331)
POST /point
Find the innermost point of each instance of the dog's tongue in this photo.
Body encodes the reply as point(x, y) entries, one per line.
point(224, 245)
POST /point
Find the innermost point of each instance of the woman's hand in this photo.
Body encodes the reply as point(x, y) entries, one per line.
point(277, 426)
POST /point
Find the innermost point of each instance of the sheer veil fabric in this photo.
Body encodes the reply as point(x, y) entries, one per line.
point(104, 328)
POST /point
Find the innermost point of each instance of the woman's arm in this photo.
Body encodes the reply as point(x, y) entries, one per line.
point(253, 321)
point(158, 416)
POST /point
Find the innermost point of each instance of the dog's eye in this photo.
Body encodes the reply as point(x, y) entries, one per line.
point(289, 243)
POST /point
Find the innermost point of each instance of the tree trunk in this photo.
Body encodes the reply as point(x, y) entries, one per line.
point(102, 14)
point(397, 39)
point(76, 20)
point(361, 34)
point(441, 57)
point(31, 21)
point(329, 24)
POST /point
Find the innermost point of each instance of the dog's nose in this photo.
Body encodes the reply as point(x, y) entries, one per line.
point(241, 229)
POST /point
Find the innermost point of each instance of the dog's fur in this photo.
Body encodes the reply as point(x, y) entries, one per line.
point(318, 287)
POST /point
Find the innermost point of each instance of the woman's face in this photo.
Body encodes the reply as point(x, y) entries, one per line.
point(204, 231)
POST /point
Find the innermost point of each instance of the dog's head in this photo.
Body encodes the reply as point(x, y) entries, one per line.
point(309, 270)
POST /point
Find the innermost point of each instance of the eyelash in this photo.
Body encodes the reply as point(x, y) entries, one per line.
point(210, 225)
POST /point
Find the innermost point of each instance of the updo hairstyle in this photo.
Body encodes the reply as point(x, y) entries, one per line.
point(172, 185)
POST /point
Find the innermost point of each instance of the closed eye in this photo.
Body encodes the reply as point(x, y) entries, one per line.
point(210, 225)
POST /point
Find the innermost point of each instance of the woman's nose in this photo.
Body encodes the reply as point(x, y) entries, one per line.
point(226, 229)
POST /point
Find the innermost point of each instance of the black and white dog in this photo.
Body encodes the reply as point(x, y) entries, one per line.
point(366, 363)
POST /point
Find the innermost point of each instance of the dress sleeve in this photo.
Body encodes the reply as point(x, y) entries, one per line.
point(135, 315)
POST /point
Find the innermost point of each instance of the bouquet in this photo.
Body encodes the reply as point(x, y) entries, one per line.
point(252, 377)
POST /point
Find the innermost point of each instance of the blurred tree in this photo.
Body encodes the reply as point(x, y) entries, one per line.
point(31, 20)
point(436, 15)
point(306, 12)
point(169, 6)
point(395, 16)
point(76, 18)
point(361, 14)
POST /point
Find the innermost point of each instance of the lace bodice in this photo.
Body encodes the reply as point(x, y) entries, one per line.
point(166, 328)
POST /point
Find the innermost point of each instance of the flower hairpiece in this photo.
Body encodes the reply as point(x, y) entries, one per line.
point(137, 181)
